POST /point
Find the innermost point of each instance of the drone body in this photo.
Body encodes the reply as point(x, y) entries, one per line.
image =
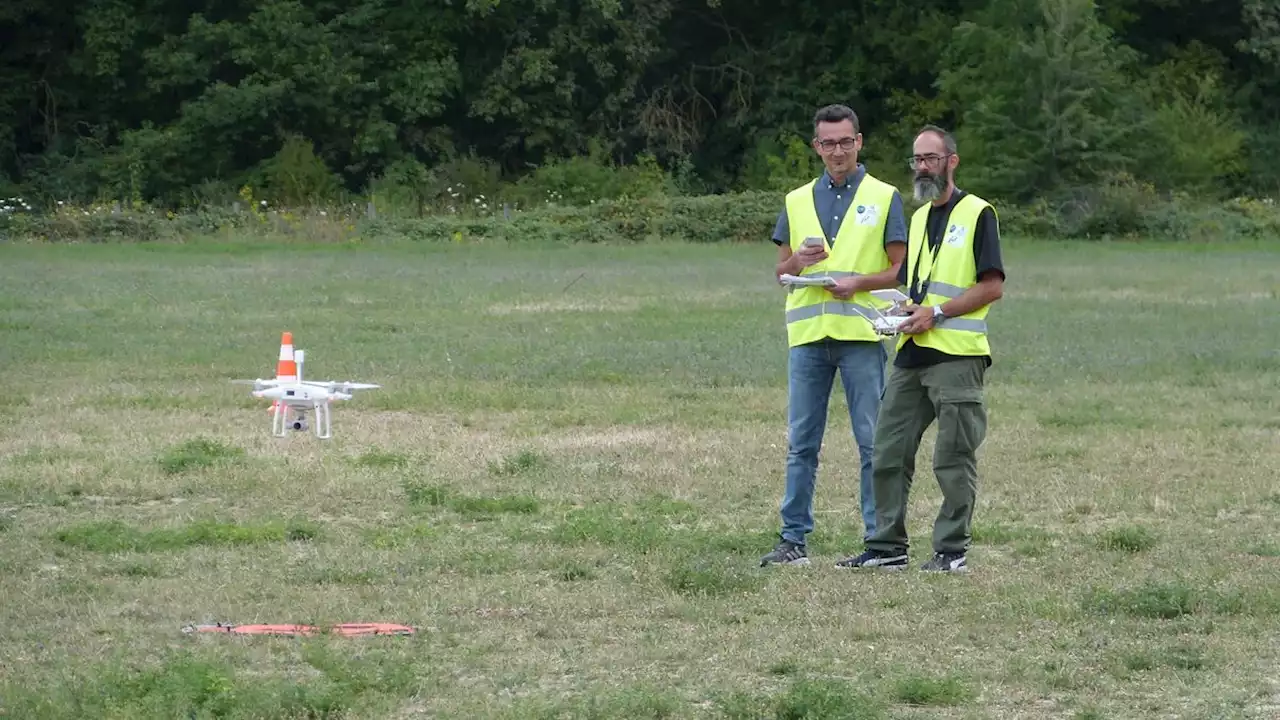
point(289, 393)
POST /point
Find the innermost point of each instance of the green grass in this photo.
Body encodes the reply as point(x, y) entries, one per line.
point(112, 536)
point(1127, 539)
point(196, 453)
point(572, 468)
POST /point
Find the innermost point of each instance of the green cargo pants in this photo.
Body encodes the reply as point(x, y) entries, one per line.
point(951, 393)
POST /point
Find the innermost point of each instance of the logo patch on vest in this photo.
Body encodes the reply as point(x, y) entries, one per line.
point(867, 214)
point(956, 234)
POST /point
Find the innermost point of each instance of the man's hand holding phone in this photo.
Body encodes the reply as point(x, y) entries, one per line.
point(811, 252)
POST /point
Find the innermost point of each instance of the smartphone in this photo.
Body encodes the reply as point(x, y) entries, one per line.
point(813, 241)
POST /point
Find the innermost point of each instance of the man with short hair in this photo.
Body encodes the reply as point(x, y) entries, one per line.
point(851, 226)
point(953, 273)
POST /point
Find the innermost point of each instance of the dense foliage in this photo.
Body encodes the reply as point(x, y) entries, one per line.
point(428, 105)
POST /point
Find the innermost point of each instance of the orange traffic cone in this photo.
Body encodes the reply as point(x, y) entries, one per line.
point(286, 368)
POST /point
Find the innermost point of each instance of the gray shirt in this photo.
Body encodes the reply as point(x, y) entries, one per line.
point(832, 202)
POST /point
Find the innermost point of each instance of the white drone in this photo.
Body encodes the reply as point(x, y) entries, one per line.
point(889, 322)
point(288, 391)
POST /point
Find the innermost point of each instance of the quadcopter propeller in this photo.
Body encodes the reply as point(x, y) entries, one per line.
point(332, 385)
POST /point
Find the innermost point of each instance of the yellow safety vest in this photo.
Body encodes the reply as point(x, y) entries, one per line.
point(813, 313)
point(949, 271)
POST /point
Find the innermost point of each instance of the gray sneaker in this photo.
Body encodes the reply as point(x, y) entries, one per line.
point(786, 553)
point(946, 562)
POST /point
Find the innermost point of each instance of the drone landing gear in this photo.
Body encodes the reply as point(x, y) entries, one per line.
point(281, 425)
point(324, 425)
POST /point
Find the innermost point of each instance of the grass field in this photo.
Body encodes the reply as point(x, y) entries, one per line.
point(573, 468)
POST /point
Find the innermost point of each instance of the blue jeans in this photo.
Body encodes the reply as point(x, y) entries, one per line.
point(812, 370)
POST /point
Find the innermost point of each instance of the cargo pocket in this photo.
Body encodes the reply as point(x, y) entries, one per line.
point(962, 420)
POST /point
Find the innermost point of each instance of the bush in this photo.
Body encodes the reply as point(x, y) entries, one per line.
point(745, 217)
point(1121, 208)
point(98, 223)
point(296, 175)
point(588, 179)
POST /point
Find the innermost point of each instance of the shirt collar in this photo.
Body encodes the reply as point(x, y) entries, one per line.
point(849, 181)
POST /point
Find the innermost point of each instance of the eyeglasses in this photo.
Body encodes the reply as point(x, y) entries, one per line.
point(843, 143)
point(916, 161)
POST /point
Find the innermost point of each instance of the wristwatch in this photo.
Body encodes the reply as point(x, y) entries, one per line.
point(938, 316)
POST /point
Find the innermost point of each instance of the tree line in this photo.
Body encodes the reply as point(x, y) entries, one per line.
point(190, 101)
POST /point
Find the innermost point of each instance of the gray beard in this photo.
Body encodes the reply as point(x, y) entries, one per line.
point(928, 189)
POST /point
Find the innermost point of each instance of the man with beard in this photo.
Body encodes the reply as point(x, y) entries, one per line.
point(850, 226)
point(954, 273)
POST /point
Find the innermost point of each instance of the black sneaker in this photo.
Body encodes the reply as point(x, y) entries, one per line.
point(876, 559)
point(946, 562)
point(786, 553)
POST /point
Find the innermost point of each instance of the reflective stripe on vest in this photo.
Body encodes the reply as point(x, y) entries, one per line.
point(946, 290)
point(962, 323)
point(832, 307)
